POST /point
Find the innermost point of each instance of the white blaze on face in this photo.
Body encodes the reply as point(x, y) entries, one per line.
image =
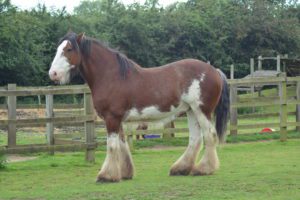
point(60, 67)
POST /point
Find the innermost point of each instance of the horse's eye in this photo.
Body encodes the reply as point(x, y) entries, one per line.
point(69, 50)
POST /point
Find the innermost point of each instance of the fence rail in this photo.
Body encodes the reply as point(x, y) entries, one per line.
point(86, 117)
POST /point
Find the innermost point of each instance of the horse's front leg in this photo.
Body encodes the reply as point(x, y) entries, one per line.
point(118, 161)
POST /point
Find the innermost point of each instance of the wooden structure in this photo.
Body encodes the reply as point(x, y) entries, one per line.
point(283, 64)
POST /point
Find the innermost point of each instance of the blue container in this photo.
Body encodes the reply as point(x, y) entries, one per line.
point(151, 136)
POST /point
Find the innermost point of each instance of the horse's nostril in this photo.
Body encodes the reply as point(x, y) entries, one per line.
point(53, 74)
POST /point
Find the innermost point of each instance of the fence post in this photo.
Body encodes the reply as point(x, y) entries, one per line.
point(260, 59)
point(278, 63)
point(168, 125)
point(231, 71)
point(89, 129)
point(233, 111)
point(278, 70)
point(259, 63)
point(130, 142)
point(39, 100)
point(12, 115)
point(49, 125)
point(251, 66)
point(298, 106)
point(252, 73)
point(283, 109)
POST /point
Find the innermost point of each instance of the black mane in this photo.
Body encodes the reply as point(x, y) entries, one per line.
point(125, 64)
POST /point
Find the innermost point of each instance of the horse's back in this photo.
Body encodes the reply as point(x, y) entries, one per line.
point(188, 70)
point(175, 79)
point(185, 63)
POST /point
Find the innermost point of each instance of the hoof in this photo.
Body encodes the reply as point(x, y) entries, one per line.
point(202, 171)
point(103, 179)
point(127, 178)
point(179, 172)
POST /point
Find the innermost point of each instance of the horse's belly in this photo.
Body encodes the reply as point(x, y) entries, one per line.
point(153, 113)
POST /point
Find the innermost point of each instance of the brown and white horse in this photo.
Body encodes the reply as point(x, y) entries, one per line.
point(122, 90)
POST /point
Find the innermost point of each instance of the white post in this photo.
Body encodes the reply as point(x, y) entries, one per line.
point(231, 71)
point(259, 62)
point(278, 63)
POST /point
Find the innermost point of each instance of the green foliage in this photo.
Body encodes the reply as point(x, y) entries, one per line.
point(222, 32)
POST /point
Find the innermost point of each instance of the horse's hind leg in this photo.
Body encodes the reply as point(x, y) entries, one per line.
point(185, 163)
point(209, 162)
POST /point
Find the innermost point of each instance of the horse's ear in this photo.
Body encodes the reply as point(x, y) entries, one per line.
point(70, 31)
point(80, 37)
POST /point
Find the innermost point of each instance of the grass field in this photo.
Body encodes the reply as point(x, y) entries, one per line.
point(261, 170)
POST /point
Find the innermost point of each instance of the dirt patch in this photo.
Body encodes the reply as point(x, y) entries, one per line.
point(18, 158)
point(35, 113)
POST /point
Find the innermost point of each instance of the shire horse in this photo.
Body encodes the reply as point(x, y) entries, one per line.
point(122, 90)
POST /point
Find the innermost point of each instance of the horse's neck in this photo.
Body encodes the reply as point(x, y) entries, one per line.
point(100, 67)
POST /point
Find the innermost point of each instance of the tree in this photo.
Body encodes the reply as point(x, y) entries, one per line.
point(222, 32)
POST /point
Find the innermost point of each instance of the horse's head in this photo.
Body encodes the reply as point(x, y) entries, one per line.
point(67, 57)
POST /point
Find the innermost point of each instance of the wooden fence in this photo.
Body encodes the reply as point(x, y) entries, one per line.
point(55, 143)
point(59, 142)
point(281, 100)
point(12, 123)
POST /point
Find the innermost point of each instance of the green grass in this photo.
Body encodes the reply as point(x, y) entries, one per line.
point(291, 91)
point(266, 170)
point(24, 137)
point(3, 161)
point(260, 137)
point(260, 121)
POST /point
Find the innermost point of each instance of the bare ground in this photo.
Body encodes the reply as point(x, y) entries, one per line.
point(19, 158)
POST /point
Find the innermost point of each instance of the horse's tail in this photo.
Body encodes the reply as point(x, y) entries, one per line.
point(222, 109)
